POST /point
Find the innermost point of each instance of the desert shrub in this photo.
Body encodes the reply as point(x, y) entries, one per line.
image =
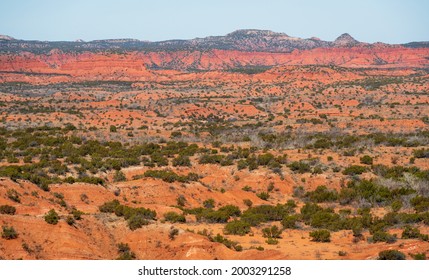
point(418, 256)
point(298, 192)
point(231, 210)
point(264, 213)
point(326, 219)
point(396, 205)
point(181, 160)
point(9, 233)
point(342, 253)
point(13, 195)
point(366, 160)
point(174, 217)
point(382, 236)
point(109, 207)
point(170, 176)
point(125, 252)
point(395, 172)
point(77, 215)
point(112, 128)
point(119, 176)
point(272, 241)
point(247, 202)
point(70, 220)
point(265, 159)
point(52, 217)
point(421, 153)
point(300, 167)
point(371, 192)
point(158, 159)
point(309, 209)
point(391, 255)
point(7, 209)
point(322, 194)
point(322, 143)
point(254, 219)
point(420, 203)
point(211, 216)
point(211, 159)
point(137, 221)
point(271, 232)
point(173, 233)
point(176, 134)
point(237, 227)
point(209, 203)
point(181, 201)
point(128, 212)
point(263, 195)
point(289, 221)
point(321, 235)
point(242, 164)
point(409, 218)
point(354, 170)
point(410, 233)
point(90, 180)
point(228, 243)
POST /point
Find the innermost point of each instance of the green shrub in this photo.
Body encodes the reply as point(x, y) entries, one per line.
point(396, 205)
point(13, 195)
point(237, 227)
point(170, 176)
point(137, 221)
point(354, 170)
point(391, 255)
point(7, 209)
point(181, 201)
point(366, 160)
point(418, 256)
point(421, 153)
point(181, 161)
point(382, 236)
point(289, 222)
point(119, 176)
point(300, 167)
point(322, 194)
point(231, 210)
point(272, 241)
point(228, 243)
point(211, 216)
point(9, 233)
point(52, 217)
point(124, 252)
point(109, 207)
point(77, 215)
point(263, 195)
point(321, 235)
point(174, 217)
point(271, 232)
point(70, 220)
point(410, 233)
point(420, 203)
point(112, 128)
point(209, 203)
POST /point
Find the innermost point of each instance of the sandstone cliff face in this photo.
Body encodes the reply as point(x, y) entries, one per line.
point(58, 66)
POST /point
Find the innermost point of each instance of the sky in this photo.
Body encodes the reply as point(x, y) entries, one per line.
point(389, 21)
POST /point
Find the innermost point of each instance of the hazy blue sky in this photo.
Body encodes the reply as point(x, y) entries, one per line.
point(390, 21)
